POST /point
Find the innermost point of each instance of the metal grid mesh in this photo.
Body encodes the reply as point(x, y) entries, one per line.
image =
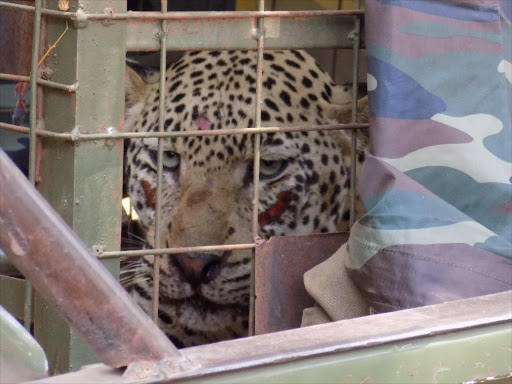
point(257, 130)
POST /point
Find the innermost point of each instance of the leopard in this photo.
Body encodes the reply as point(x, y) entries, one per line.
point(207, 180)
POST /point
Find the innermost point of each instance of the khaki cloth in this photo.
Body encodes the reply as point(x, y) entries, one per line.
point(336, 296)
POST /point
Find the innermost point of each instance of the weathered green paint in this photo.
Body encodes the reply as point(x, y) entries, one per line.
point(12, 295)
point(314, 32)
point(476, 354)
point(83, 181)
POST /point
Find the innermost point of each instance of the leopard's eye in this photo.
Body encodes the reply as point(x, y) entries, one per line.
point(272, 169)
point(170, 159)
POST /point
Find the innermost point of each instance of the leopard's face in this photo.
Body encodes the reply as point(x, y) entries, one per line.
point(207, 185)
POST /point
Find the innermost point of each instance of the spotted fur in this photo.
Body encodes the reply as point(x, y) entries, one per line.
point(208, 181)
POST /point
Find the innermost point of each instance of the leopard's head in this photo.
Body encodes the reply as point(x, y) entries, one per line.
point(207, 181)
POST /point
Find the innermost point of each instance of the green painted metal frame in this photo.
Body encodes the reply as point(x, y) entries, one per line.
point(464, 341)
point(290, 32)
point(88, 175)
point(458, 357)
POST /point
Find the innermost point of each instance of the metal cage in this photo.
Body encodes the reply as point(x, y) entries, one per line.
point(76, 151)
point(99, 39)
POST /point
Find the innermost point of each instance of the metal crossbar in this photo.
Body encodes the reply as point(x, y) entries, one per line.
point(181, 15)
point(163, 17)
point(77, 136)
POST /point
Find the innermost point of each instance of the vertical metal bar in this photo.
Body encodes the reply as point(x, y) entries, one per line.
point(256, 167)
point(355, 81)
point(27, 317)
point(158, 206)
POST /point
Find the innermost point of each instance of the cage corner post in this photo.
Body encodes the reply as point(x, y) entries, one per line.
point(82, 180)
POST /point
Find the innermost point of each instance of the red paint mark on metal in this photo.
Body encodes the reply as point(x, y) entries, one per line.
point(150, 193)
point(275, 210)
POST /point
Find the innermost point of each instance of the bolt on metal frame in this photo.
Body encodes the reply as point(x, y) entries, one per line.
point(82, 138)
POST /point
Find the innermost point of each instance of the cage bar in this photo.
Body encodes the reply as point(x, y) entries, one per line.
point(40, 82)
point(76, 136)
point(28, 313)
point(355, 82)
point(259, 35)
point(181, 15)
point(174, 250)
point(158, 206)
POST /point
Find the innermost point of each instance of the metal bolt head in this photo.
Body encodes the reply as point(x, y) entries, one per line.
point(75, 134)
point(353, 35)
point(159, 34)
point(81, 19)
point(107, 22)
point(256, 33)
point(98, 249)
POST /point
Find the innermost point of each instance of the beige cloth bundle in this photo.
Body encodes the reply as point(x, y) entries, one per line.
point(336, 295)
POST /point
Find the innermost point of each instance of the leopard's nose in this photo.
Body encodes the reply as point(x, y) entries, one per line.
point(197, 268)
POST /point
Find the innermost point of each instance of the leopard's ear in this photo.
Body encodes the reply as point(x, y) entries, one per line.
point(135, 88)
point(343, 114)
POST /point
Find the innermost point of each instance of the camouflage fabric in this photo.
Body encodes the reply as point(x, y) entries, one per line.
point(437, 186)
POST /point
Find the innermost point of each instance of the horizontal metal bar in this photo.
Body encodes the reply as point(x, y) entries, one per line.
point(76, 136)
point(171, 251)
point(44, 83)
point(14, 128)
point(143, 16)
point(38, 242)
point(220, 15)
point(29, 8)
point(39, 132)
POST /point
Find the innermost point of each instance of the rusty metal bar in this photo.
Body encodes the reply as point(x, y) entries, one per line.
point(28, 308)
point(220, 15)
point(39, 243)
point(44, 11)
point(259, 35)
point(41, 82)
point(33, 92)
point(142, 16)
point(170, 251)
point(14, 128)
point(159, 163)
point(355, 81)
point(77, 137)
